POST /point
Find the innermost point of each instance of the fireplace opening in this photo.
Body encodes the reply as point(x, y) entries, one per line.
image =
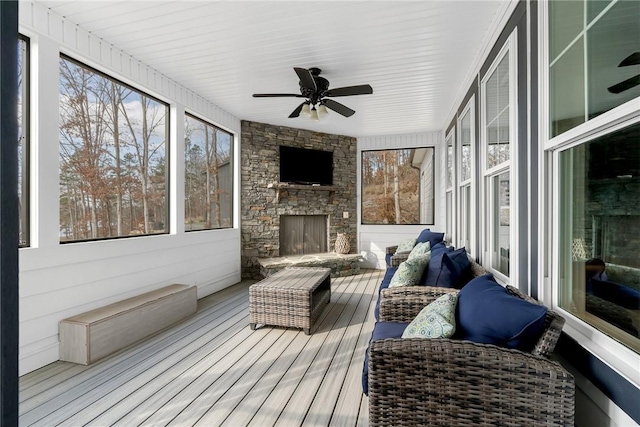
point(303, 234)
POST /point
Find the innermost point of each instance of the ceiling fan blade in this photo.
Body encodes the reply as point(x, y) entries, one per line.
point(296, 112)
point(624, 85)
point(338, 108)
point(275, 95)
point(350, 90)
point(306, 79)
point(633, 59)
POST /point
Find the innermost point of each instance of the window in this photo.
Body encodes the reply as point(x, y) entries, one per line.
point(600, 219)
point(498, 130)
point(449, 195)
point(398, 186)
point(593, 57)
point(465, 156)
point(593, 69)
point(208, 175)
point(113, 161)
point(23, 139)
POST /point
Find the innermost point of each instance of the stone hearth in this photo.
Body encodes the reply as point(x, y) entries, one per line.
point(264, 199)
point(340, 265)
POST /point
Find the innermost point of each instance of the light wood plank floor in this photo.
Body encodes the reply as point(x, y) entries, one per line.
point(212, 370)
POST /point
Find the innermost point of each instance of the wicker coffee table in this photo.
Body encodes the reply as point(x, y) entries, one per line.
point(292, 298)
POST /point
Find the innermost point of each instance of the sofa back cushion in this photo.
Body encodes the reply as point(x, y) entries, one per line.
point(432, 237)
point(432, 271)
point(487, 313)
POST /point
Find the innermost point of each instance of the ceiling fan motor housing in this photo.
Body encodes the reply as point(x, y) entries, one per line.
point(322, 85)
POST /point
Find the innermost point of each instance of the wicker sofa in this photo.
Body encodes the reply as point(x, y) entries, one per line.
point(449, 382)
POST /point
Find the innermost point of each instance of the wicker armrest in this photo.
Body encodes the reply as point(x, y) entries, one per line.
point(391, 249)
point(403, 303)
point(398, 259)
point(552, 328)
point(448, 382)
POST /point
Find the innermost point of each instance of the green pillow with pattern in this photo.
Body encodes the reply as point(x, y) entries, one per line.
point(405, 246)
point(409, 272)
point(421, 249)
point(436, 320)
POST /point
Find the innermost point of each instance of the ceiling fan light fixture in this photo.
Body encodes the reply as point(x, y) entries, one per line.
point(322, 110)
point(314, 114)
point(306, 110)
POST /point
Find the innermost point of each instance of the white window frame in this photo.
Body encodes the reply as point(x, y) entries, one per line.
point(487, 216)
point(470, 110)
point(450, 222)
point(612, 353)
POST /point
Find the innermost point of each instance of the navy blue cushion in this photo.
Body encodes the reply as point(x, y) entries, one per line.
point(383, 285)
point(387, 259)
point(381, 330)
point(487, 313)
point(616, 293)
point(432, 271)
point(427, 235)
point(388, 275)
point(454, 270)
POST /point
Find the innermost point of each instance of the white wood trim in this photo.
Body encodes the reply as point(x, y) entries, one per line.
point(615, 355)
point(58, 281)
point(510, 166)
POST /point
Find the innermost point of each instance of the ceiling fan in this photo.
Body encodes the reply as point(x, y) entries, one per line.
point(633, 59)
point(315, 90)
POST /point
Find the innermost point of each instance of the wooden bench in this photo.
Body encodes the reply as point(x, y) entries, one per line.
point(95, 334)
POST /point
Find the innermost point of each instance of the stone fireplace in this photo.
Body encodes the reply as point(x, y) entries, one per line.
point(268, 204)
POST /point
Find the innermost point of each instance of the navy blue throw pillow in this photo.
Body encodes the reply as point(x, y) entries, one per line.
point(453, 271)
point(487, 313)
point(429, 236)
point(432, 271)
point(457, 262)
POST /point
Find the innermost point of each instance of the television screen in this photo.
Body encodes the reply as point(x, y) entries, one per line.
point(306, 166)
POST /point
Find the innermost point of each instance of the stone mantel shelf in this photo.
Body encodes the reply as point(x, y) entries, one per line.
point(280, 186)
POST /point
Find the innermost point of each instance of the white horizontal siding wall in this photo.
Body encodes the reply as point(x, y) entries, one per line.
point(58, 281)
point(373, 239)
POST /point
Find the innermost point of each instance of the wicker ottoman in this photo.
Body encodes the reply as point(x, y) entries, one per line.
point(292, 298)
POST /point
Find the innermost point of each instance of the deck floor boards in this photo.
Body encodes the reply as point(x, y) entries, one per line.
point(212, 370)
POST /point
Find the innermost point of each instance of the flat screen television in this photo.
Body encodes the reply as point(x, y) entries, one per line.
point(306, 166)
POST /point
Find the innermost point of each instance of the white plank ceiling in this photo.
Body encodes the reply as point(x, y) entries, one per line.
point(417, 55)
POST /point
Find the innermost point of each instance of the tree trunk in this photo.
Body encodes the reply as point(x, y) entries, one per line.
point(214, 172)
point(396, 188)
point(207, 181)
point(115, 100)
point(144, 173)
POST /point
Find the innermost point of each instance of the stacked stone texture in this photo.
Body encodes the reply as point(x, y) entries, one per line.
point(260, 212)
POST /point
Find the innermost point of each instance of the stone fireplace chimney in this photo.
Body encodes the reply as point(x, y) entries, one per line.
point(265, 200)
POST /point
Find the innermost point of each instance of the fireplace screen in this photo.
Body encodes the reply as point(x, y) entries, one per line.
point(303, 234)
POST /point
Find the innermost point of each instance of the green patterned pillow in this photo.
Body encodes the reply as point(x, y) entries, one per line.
point(406, 246)
point(420, 249)
point(437, 320)
point(409, 272)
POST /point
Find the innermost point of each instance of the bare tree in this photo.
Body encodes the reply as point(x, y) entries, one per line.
point(141, 134)
point(83, 137)
point(396, 187)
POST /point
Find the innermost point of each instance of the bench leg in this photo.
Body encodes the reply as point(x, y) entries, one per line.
point(252, 326)
point(306, 331)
